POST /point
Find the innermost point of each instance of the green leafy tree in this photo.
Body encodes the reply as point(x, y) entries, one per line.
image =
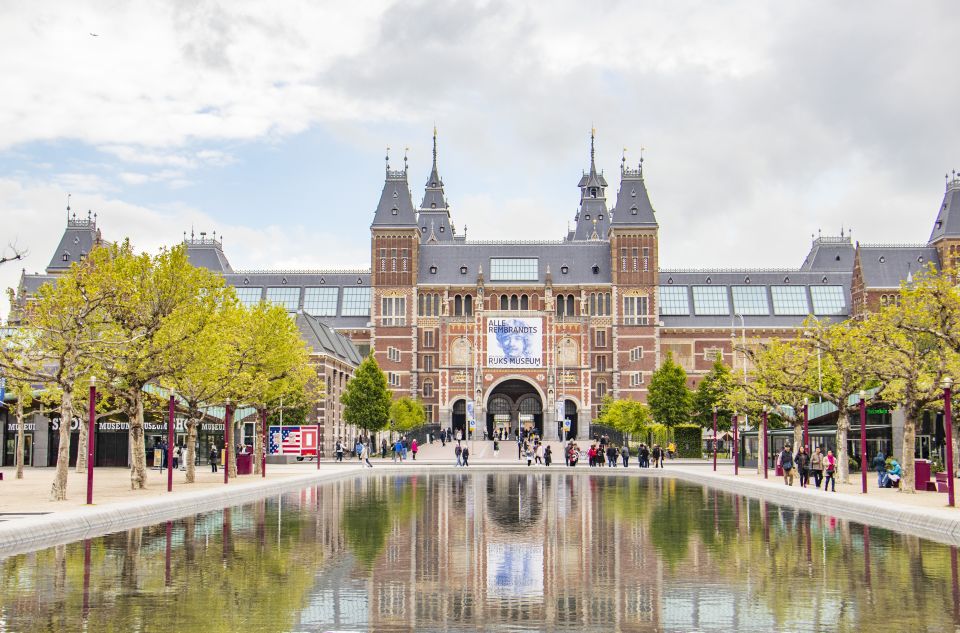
point(366, 398)
point(710, 393)
point(627, 416)
point(407, 414)
point(668, 396)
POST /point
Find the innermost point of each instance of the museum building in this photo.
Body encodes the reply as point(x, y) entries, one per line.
point(520, 333)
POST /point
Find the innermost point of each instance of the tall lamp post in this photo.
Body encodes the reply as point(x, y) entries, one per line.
point(764, 425)
point(947, 384)
point(170, 414)
point(714, 439)
point(91, 438)
point(863, 441)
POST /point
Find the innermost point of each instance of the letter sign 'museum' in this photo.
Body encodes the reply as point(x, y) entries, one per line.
point(514, 342)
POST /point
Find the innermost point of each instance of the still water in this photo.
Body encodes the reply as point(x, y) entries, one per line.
point(495, 552)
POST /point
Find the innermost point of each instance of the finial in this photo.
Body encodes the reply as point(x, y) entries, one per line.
point(841, 230)
point(68, 206)
point(434, 145)
point(464, 231)
point(387, 159)
point(623, 161)
point(214, 236)
point(184, 236)
point(593, 133)
point(191, 232)
point(641, 160)
point(405, 150)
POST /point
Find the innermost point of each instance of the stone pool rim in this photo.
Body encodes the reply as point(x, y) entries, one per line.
point(30, 534)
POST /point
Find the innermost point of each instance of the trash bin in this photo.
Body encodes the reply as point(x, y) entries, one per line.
point(921, 473)
point(244, 463)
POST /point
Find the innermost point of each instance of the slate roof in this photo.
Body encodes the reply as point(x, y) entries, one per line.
point(435, 226)
point(205, 253)
point(395, 208)
point(633, 206)
point(592, 220)
point(578, 257)
point(753, 278)
point(322, 339)
point(830, 253)
point(885, 266)
point(30, 283)
point(77, 241)
point(947, 223)
point(433, 197)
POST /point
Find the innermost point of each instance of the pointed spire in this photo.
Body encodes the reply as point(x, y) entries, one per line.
point(434, 146)
point(387, 159)
point(641, 160)
point(593, 165)
point(623, 161)
point(405, 150)
point(68, 206)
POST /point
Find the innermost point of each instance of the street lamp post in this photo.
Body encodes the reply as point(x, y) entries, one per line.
point(736, 447)
point(863, 441)
point(714, 439)
point(170, 414)
point(227, 422)
point(948, 427)
point(764, 424)
point(806, 423)
point(91, 438)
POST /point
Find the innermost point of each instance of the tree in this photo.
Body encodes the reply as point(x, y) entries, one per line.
point(66, 336)
point(627, 416)
point(406, 414)
point(912, 364)
point(668, 396)
point(12, 253)
point(366, 399)
point(710, 393)
point(23, 392)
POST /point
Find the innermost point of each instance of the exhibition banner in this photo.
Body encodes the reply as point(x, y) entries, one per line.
point(293, 440)
point(514, 342)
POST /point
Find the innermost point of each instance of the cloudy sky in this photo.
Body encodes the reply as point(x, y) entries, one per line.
point(762, 123)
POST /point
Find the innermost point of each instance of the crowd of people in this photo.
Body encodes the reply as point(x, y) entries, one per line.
point(824, 467)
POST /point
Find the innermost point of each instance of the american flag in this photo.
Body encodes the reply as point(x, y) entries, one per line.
point(284, 440)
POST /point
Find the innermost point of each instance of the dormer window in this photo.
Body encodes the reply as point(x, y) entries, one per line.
point(394, 210)
point(586, 217)
point(939, 224)
point(633, 193)
point(600, 217)
point(882, 259)
point(66, 256)
point(633, 210)
point(593, 192)
point(441, 228)
point(564, 269)
point(463, 270)
point(433, 270)
point(596, 269)
point(433, 205)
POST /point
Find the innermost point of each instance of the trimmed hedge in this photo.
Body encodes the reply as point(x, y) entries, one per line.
point(688, 440)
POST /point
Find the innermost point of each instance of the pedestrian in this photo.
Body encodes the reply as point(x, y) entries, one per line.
point(443, 439)
point(536, 453)
point(358, 450)
point(547, 455)
point(405, 444)
point(413, 448)
point(496, 448)
point(625, 454)
point(383, 448)
point(785, 461)
point(465, 456)
point(338, 450)
point(672, 450)
point(364, 454)
point(398, 451)
point(663, 453)
point(528, 451)
point(213, 458)
point(802, 460)
point(816, 466)
point(880, 465)
point(830, 469)
point(655, 453)
point(612, 454)
point(458, 451)
point(592, 455)
point(644, 457)
point(176, 459)
point(892, 476)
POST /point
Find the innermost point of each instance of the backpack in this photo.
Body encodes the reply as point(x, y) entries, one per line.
point(786, 460)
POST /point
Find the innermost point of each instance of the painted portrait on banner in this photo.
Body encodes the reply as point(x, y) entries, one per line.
point(514, 342)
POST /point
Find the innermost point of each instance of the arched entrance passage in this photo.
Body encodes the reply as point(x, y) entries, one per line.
point(458, 420)
point(514, 404)
point(569, 412)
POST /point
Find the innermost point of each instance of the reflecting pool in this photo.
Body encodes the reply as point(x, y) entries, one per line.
point(497, 552)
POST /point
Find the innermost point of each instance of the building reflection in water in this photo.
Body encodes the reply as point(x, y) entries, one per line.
point(501, 551)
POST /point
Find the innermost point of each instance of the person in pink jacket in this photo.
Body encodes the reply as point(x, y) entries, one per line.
point(413, 449)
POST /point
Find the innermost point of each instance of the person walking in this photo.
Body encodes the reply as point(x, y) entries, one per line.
point(338, 450)
point(656, 455)
point(213, 458)
point(625, 454)
point(465, 456)
point(537, 458)
point(414, 448)
point(383, 448)
point(830, 469)
point(547, 455)
point(816, 467)
point(643, 458)
point(528, 451)
point(802, 460)
point(880, 465)
point(364, 454)
point(458, 452)
point(496, 448)
point(612, 454)
point(785, 461)
point(398, 451)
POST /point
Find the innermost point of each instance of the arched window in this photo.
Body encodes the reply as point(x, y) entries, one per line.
point(458, 306)
point(593, 303)
point(468, 305)
point(524, 302)
point(427, 389)
point(420, 301)
point(606, 304)
point(436, 305)
point(561, 304)
point(570, 305)
point(504, 302)
point(499, 404)
point(514, 302)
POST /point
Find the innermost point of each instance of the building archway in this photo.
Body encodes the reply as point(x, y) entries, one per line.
point(570, 410)
point(513, 404)
point(458, 418)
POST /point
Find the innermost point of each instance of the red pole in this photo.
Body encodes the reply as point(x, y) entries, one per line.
point(765, 474)
point(266, 443)
point(736, 447)
point(863, 444)
point(714, 439)
point(806, 423)
point(948, 423)
point(318, 443)
point(170, 443)
point(226, 442)
point(91, 438)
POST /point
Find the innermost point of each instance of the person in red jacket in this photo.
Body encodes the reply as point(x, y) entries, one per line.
point(413, 449)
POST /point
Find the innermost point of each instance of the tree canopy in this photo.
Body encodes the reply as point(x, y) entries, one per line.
point(669, 398)
point(366, 398)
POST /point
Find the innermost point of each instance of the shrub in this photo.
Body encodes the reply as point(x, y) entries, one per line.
point(688, 440)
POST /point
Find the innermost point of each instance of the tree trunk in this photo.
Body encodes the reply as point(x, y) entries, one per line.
point(797, 435)
point(58, 492)
point(19, 457)
point(843, 462)
point(907, 479)
point(257, 443)
point(82, 448)
point(191, 449)
point(138, 448)
point(234, 437)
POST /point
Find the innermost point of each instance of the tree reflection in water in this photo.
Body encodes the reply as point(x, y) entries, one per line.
point(460, 552)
